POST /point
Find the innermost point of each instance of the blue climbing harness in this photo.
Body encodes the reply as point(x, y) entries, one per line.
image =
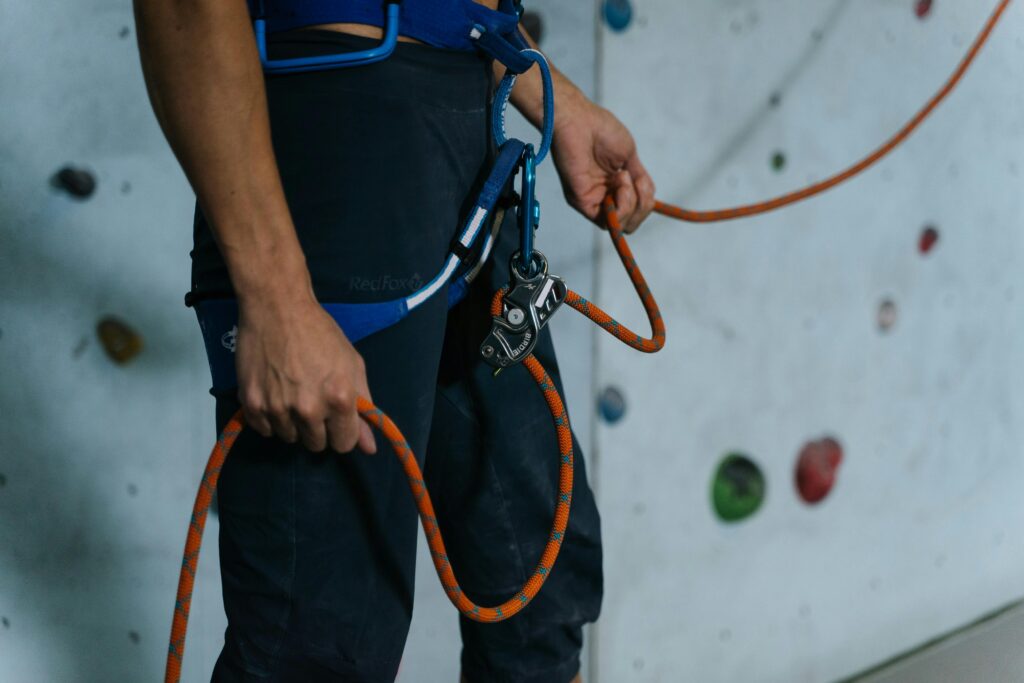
point(218, 318)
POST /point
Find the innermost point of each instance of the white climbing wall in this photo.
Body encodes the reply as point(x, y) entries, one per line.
point(773, 340)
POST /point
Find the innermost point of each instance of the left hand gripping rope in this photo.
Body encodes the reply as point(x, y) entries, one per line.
point(500, 310)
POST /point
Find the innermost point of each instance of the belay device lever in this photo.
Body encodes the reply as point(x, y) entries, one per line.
point(527, 306)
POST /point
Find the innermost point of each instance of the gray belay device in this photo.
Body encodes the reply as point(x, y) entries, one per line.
point(528, 305)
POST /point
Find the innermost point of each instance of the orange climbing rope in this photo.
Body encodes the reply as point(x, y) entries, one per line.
point(376, 417)
point(889, 145)
point(383, 423)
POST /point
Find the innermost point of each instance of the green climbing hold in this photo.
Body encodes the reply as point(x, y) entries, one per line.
point(778, 161)
point(738, 488)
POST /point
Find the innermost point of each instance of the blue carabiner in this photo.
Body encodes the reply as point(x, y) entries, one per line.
point(344, 59)
point(528, 211)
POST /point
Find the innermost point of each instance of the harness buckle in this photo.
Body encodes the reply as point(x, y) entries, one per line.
point(526, 308)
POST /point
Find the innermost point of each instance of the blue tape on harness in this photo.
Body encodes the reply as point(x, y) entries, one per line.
point(218, 319)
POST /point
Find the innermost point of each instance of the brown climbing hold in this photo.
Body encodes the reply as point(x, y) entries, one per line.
point(120, 341)
point(816, 469)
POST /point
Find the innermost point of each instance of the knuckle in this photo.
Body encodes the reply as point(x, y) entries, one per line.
point(341, 399)
point(253, 402)
point(307, 410)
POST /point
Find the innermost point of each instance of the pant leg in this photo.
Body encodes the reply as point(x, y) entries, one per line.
point(492, 467)
point(318, 550)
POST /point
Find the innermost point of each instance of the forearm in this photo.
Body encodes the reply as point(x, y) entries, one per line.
point(528, 95)
point(205, 83)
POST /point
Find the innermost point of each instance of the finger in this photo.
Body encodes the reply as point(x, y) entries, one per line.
point(252, 411)
point(644, 189)
point(367, 442)
point(643, 184)
point(343, 431)
point(258, 423)
point(282, 424)
point(625, 197)
point(312, 429)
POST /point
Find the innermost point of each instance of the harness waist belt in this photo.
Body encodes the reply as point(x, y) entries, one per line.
point(441, 23)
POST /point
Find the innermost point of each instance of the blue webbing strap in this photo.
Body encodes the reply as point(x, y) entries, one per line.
point(517, 60)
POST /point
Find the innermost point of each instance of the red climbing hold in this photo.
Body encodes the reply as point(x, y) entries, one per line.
point(922, 8)
point(816, 469)
point(929, 236)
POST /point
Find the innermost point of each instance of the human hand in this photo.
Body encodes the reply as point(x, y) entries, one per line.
point(299, 376)
point(596, 156)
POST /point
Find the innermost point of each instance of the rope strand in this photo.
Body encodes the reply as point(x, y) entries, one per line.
point(889, 145)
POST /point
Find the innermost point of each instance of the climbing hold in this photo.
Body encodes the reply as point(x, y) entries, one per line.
point(120, 341)
point(929, 236)
point(3, 481)
point(816, 469)
point(75, 181)
point(618, 14)
point(778, 161)
point(534, 25)
point(775, 99)
point(611, 405)
point(886, 315)
point(738, 488)
point(133, 636)
point(922, 8)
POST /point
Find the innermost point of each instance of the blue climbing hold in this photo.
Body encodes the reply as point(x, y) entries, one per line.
point(611, 405)
point(618, 14)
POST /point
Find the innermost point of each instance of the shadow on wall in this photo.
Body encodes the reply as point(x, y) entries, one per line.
point(92, 511)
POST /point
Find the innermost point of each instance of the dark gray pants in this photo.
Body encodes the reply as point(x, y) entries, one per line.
point(318, 550)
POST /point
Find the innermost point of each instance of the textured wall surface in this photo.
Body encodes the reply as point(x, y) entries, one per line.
point(773, 340)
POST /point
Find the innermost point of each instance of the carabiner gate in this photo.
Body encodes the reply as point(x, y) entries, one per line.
point(527, 213)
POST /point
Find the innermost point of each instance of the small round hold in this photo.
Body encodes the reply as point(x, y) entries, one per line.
point(929, 237)
point(737, 488)
point(922, 8)
point(816, 468)
point(778, 161)
point(75, 181)
point(611, 405)
point(515, 316)
point(886, 315)
point(618, 14)
point(534, 25)
point(120, 341)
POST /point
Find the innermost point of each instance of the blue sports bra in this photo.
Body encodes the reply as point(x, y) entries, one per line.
point(441, 23)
